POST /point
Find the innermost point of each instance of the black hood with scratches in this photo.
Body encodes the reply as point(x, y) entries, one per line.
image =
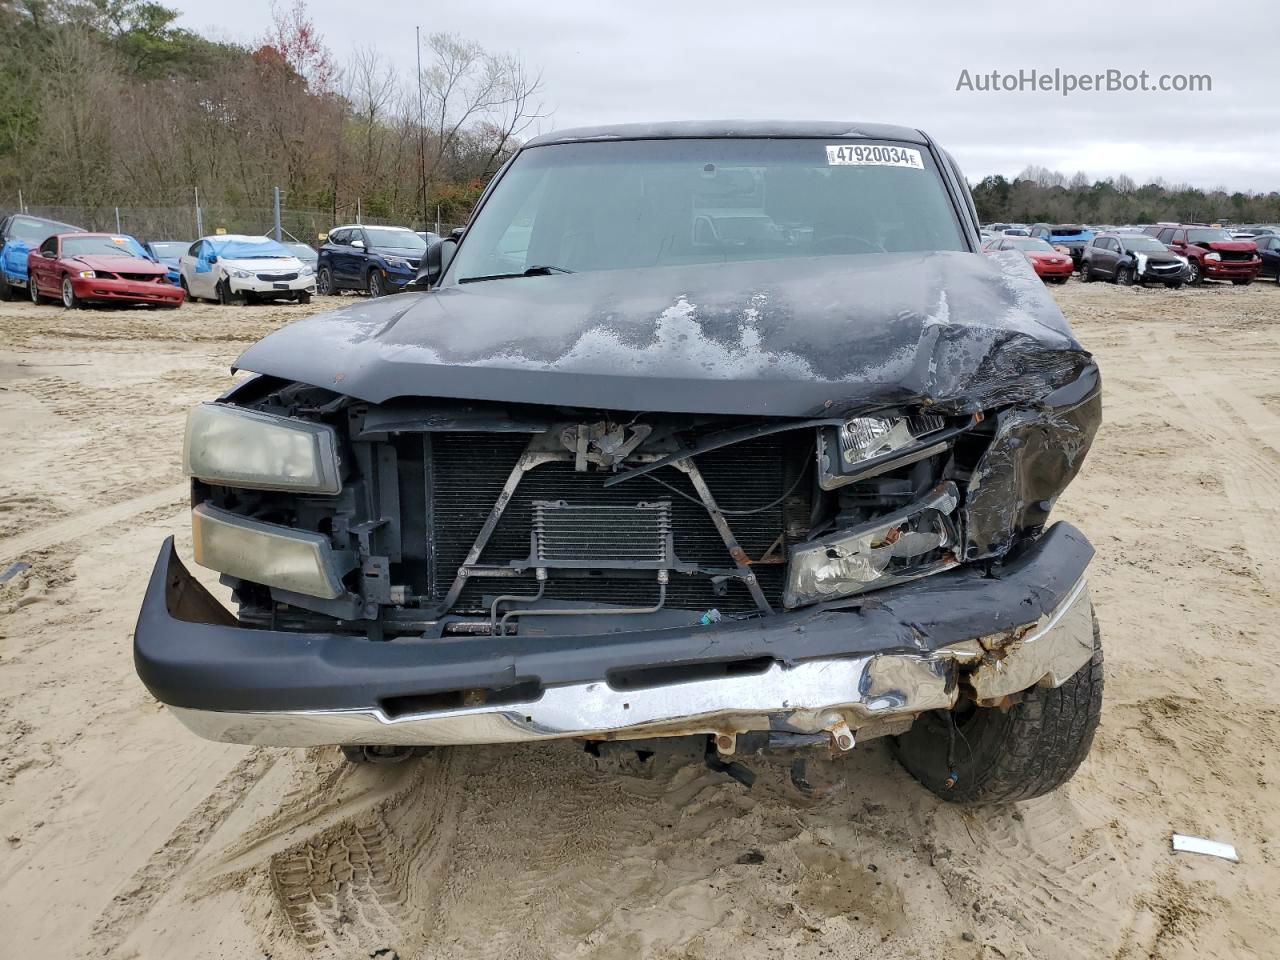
point(795, 337)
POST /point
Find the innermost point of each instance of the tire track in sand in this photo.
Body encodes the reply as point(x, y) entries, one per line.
point(89, 522)
point(144, 888)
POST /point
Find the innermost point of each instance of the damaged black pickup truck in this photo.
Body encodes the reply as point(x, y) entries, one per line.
point(718, 430)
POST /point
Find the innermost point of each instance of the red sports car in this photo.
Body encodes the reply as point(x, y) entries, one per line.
point(80, 267)
point(1050, 265)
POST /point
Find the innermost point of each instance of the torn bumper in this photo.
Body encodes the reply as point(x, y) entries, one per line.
point(859, 671)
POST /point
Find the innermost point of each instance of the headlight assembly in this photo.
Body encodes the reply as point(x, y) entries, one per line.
point(862, 446)
point(1213, 255)
point(918, 540)
point(266, 553)
point(400, 262)
point(243, 448)
point(241, 274)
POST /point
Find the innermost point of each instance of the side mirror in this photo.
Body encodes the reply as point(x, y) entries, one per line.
point(49, 255)
point(358, 244)
point(435, 262)
point(213, 258)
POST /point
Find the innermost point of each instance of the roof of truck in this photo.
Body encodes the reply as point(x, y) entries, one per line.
point(707, 129)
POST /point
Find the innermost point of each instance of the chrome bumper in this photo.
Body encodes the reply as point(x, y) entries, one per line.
point(836, 695)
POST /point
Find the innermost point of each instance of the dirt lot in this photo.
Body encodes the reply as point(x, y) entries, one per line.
point(123, 836)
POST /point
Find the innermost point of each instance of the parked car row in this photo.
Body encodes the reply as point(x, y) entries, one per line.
point(1166, 253)
point(54, 261)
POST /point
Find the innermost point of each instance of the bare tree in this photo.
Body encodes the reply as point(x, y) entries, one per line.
point(468, 88)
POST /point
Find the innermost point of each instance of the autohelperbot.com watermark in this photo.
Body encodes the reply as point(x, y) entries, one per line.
point(1065, 83)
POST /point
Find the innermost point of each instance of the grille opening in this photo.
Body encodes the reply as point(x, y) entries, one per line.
point(643, 678)
point(417, 703)
point(466, 472)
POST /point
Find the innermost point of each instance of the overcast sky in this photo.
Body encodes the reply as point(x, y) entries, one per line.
point(609, 61)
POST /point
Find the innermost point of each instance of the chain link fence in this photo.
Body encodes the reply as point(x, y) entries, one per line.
point(188, 224)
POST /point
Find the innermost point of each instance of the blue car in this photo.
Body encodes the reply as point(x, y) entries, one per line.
point(20, 234)
point(377, 260)
point(167, 252)
point(1269, 251)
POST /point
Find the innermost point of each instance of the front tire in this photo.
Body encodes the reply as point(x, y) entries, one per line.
point(304, 297)
point(324, 283)
point(1086, 273)
point(1125, 276)
point(1195, 276)
point(1018, 753)
point(36, 296)
point(376, 286)
point(69, 298)
point(227, 298)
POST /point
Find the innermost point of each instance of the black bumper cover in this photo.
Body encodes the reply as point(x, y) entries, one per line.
point(190, 652)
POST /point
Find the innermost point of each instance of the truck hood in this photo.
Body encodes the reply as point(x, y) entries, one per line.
point(826, 335)
point(1233, 246)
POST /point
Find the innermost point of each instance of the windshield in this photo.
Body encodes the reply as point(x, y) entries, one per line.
point(645, 203)
point(247, 248)
point(35, 231)
point(1063, 233)
point(302, 251)
point(394, 237)
point(169, 248)
point(1028, 243)
point(1212, 235)
point(1143, 244)
point(112, 246)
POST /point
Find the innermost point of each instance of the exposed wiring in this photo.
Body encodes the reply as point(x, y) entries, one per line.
point(735, 513)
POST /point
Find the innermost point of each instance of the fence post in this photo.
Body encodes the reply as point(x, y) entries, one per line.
point(199, 219)
point(359, 212)
point(437, 219)
point(276, 204)
point(118, 230)
point(22, 207)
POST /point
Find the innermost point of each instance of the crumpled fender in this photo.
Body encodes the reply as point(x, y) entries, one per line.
point(1037, 450)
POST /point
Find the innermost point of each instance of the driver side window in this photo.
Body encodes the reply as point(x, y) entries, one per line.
point(50, 246)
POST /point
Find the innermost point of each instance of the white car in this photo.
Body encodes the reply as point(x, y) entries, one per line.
point(230, 268)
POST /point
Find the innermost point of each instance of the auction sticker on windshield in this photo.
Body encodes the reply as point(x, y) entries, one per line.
point(862, 155)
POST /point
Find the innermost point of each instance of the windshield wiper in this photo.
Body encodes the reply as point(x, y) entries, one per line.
point(540, 270)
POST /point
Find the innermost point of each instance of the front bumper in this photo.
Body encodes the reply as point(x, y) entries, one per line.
point(1230, 269)
point(870, 665)
point(130, 291)
point(1173, 275)
point(279, 288)
point(1046, 269)
point(397, 278)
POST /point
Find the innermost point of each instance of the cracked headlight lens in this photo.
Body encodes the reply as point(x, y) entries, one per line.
point(243, 448)
point(911, 543)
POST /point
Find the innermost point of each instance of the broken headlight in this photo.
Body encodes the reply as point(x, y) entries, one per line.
point(244, 448)
point(860, 445)
point(913, 542)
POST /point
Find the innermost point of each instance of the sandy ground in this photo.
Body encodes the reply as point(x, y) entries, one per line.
point(123, 836)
